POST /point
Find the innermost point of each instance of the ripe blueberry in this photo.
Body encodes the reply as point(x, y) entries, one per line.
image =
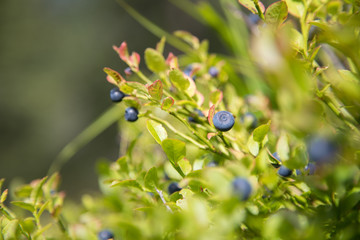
point(195, 115)
point(214, 72)
point(128, 71)
point(131, 114)
point(223, 121)
point(116, 95)
point(242, 188)
point(284, 171)
point(321, 150)
point(249, 120)
point(173, 187)
point(105, 235)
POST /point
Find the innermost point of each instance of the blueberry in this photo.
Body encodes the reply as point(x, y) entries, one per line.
point(321, 150)
point(214, 72)
point(105, 234)
point(194, 117)
point(254, 18)
point(116, 95)
point(173, 187)
point(242, 188)
point(131, 114)
point(188, 70)
point(249, 119)
point(128, 71)
point(223, 121)
point(284, 171)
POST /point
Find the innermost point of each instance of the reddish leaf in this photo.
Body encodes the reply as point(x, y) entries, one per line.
point(135, 59)
point(172, 61)
point(113, 76)
point(210, 135)
point(156, 90)
point(167, 103)
point(122, 51)
point(211, 115)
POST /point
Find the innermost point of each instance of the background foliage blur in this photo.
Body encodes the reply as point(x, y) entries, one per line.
point(52, 85)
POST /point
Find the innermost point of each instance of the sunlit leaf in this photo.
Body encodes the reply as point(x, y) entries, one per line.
point(156, 130)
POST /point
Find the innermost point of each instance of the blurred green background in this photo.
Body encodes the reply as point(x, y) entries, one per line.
point(52, 85)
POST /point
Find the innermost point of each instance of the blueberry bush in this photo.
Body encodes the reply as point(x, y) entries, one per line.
point(259, 143)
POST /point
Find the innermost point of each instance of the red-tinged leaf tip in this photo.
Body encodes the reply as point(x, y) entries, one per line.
point(114, 75)
point(210, 135)
point(167, 103)
point(211, 115)
point(199, 98)
point(135, 59)
point(110, 80)
point(156, 89)
point(122, 51)
point(172, 61)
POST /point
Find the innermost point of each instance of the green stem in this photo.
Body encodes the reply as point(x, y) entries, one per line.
point(172, 128)
point(227, 144)
point(260, 13)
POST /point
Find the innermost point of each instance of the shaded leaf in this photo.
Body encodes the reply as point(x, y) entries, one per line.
point(253, 146)
point(126, 183)
point(260, 132)
point(24, 205)
point(179, 80)
point(151, 179)
point(174, 149)
point(276, 13)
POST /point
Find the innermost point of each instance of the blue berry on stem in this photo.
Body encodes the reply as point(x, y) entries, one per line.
point(321, 150)
point(173, 187)
point(116, 95)
point(131, 114)
point(214, 72)
point(284, 171)
point(128, 71)
point(242, 188)
point(105, 235)
point(223, 121)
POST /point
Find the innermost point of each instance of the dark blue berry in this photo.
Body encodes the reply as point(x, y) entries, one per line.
point(131, 114)
point(254, 18)
point(249, 119)
point(194, 116)
point(105, 235)
point(173, 187)
point(242, 188)
point(223, 121)
point(116, 95)
point(214, 72)
point(128, 71)
point(309, 169)
point(321, 150)
point(284, 171)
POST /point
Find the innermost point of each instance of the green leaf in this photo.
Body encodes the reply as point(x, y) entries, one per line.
point(167, 103)
point(23, 191)
point(37, 190)
point(122, 163)
point(132, 102)
point(126, 183)
point(282, 147)
point(24, 205)
point(114, 75)
point(174, 149)
point(138, 86)
point(260, 132)
point(155, 60)
point(179, 80)
point(1, 182)
point(250, 5)
point(160, 45)
point(295, 7)
point(151, 179)
point(4, 196)
point(185, 166)
point(276, 13)
point(189, 38)
point(299, 158)
point(43, 207)
point(156, 130)
point(216, 97)
point(253, 146)
point(156, 90)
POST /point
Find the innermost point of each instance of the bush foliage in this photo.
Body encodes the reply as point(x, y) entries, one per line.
point(287, 169)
